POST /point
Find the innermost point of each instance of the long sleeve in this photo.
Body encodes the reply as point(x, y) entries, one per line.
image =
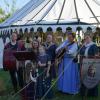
point(73, 49)
point(61, 46)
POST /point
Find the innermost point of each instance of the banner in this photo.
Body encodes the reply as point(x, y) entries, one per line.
point(90, 72)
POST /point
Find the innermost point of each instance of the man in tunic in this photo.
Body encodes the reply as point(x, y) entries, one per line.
point(10, 64)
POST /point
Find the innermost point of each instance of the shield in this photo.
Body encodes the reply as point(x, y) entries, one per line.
point(90, 72)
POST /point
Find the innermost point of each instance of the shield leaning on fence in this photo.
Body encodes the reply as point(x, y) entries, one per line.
point(90, 72)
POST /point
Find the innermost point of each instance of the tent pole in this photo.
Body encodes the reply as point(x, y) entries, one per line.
point(98, 23)
point(47, 12)
point(76, 11)
point(61, 11)
point(39, 10)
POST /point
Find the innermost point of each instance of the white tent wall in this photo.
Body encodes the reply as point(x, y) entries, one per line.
point(1, 52)
point(2, 30)
point(74, 27)
point(54, 27)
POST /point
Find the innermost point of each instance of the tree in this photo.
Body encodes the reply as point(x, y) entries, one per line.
point(9, 10)
point(2, 15)
point(13, 8)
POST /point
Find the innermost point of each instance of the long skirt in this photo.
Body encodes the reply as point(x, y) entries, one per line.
point(53, 70)
point(68, 76)
point(43, 84)
point(39, 89)
point(29, 92)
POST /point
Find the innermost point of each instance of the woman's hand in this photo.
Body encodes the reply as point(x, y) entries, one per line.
point(39, 63)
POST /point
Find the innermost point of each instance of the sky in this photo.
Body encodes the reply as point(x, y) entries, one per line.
point(19, 3)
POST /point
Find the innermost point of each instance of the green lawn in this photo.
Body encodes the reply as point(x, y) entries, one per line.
point(6, 90)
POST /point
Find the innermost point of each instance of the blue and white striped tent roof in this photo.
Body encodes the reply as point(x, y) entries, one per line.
point(55, 13)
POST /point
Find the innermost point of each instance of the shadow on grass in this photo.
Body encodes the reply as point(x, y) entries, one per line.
point(6, 86)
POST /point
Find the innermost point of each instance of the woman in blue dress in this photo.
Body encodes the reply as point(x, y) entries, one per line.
point(68, 70)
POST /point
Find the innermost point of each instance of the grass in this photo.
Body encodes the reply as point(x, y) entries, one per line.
point(5, 86)
point(6, 90)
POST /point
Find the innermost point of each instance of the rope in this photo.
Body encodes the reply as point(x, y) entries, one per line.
point(60, 75)
point(53, 83)
point(27, 85)
point(11, 98)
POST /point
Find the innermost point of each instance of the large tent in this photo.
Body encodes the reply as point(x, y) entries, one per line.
point(55, 13)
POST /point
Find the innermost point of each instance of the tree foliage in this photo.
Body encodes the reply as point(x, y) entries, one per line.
point(10, 9)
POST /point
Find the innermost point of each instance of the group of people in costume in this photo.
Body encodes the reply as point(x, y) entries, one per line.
point(36, 75)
